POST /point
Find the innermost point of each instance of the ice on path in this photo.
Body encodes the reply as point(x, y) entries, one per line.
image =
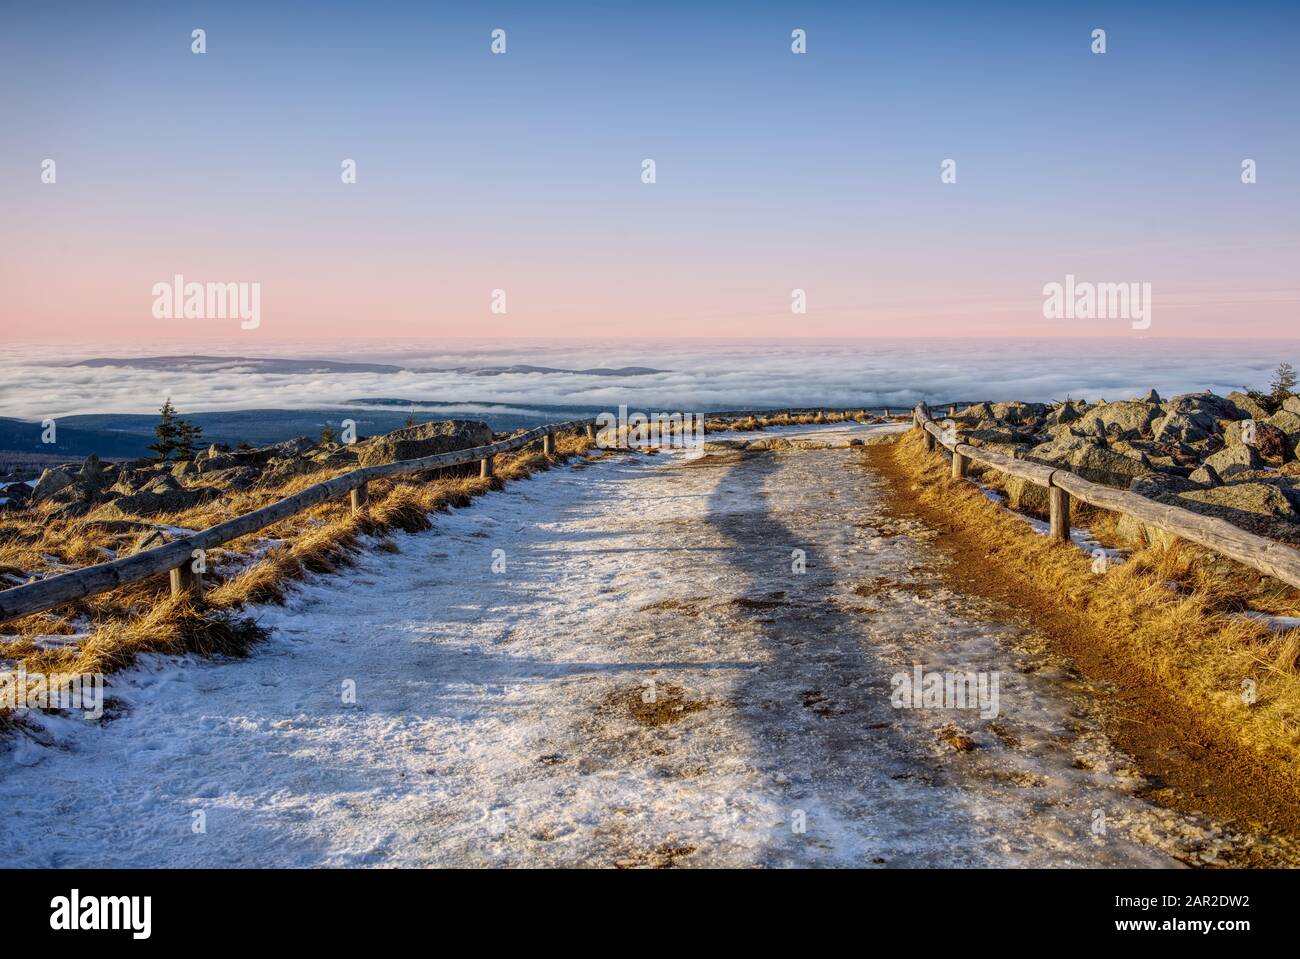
point(497, 722)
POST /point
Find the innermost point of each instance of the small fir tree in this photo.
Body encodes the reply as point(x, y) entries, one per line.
point(1283, 385)
point(166, 433)
point(188, 436)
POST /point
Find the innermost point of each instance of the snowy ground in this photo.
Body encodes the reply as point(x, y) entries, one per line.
point(501, 717)
point(832, 434)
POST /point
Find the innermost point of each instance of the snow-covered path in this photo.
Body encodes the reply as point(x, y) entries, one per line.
point(649, 680)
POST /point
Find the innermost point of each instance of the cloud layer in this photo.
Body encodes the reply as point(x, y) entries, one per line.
point(38, 381)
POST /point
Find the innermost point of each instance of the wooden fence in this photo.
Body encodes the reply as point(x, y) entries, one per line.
point(176, 557)
point(1258, 552)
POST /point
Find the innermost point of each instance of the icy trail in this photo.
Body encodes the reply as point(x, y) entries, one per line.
point(501, 716)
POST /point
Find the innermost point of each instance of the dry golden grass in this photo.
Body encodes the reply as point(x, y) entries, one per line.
point(1170, 612)
point(143, 617)
point(1224, 585)
point(173, 626)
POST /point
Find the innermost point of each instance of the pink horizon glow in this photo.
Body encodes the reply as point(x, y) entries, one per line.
point(297, 305)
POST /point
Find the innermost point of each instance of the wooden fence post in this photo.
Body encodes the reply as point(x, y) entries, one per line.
point(591, 432)
point(360, 498)
point(960, 464)
point(929, 440)
point(185, 581)
point(1058, 502)
point(548, 444)
point(485, 468)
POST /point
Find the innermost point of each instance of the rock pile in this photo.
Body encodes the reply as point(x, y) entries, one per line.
point(1223, 456)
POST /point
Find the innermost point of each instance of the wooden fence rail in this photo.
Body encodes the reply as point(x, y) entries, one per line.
point(1272, 558)
point(175, 557)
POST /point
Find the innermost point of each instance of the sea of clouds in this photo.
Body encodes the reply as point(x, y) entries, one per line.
point(44, 380)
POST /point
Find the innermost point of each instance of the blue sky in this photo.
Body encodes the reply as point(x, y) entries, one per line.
point(774, 170)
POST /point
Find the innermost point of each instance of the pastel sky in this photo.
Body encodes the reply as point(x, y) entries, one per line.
point(522, 171)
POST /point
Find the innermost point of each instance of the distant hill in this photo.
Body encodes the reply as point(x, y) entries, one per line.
point(287, 367)
point(209, 364)
point(74, 440)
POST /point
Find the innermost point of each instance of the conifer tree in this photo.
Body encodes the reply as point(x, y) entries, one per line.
point(1283, 385)
point(188, 435)
point(166, 432)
